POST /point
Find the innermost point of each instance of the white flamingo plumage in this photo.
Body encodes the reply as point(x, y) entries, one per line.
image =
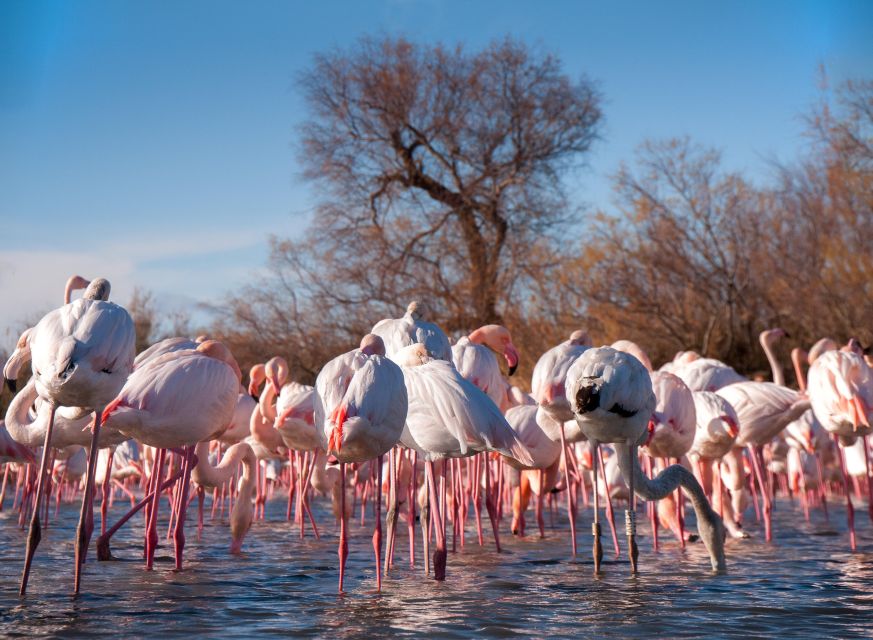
point(360, 411)
point(612, 400)
point(81, 354)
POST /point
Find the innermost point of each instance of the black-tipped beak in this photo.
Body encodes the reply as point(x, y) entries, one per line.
point(12, 385)
point(512, 369)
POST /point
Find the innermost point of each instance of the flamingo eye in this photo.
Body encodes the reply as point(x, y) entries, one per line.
point(105, 371)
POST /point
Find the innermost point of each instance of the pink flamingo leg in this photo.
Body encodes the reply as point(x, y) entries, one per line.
point(35, 534)
point(610, 514)
point(86, 517)
point(765, 497)
point(489, 505)
point(439, 554)
point(179, 533)
point(152, 535)
point(410, 524)
point(103, 550)
point(343, 542)
point(850, 510)
point(571, 512)
point(377, 533)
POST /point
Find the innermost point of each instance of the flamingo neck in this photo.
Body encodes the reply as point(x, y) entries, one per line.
point(775, 366)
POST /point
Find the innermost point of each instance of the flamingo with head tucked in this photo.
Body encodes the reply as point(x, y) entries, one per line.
point(450, 417)
point(185, 398)
point(475, 357)
point(360, 410)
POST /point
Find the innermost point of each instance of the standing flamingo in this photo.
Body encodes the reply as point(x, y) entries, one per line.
point(841, 393)
point(179, 399)
point(450, 417)
point(612, 399)
point(81, 355)
point(361, 410)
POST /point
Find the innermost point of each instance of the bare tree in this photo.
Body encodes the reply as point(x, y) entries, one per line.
point(441, 173)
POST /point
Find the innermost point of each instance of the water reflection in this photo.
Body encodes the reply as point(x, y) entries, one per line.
point(807, 582)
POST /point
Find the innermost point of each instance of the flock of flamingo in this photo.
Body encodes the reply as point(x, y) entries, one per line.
point(426, 429)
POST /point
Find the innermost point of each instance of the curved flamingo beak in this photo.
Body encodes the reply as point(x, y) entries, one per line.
point(859, 413)
point(731, 427)
point(511, 355)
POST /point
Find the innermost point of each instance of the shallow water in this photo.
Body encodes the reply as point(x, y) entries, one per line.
point(805, 583)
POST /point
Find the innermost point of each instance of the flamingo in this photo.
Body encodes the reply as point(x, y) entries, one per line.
point(612, 399)
point(475, 357)
point(764, 409)
point(81, 355)
point(450, 417)
point(841, 393)
point(360, 409)
point(412, 329)
point(183, 398)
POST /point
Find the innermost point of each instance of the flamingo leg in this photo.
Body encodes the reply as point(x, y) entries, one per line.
point(152, 527)
point(377, 533)
point(595, 526)
point(539, 507)
point(439, 554)
point(850, 510)
point(410, 524)
point(391, 516)
point(86, 517)
point(765, 494)
point(652, 508)
point(35, 533)
point(490, 506)
point(571, 512)
point(630, 521)
point(343, 542)
point(179, 532)
point(610, 514)
point(104, 503)
point(869, 478)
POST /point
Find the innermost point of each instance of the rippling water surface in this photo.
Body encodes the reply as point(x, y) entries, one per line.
point(805, 584)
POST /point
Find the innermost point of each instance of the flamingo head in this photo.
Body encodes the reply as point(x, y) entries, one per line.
point(731, 426)
point(497, 338)
point(412, 356)
point(417, 309)
point(98, 289)
point(17, 360)
point(580, 338)
point(372, 345)
point(276, 372)
point(257, 375)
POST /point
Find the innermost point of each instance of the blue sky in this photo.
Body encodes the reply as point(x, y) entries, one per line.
point(153, 142)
